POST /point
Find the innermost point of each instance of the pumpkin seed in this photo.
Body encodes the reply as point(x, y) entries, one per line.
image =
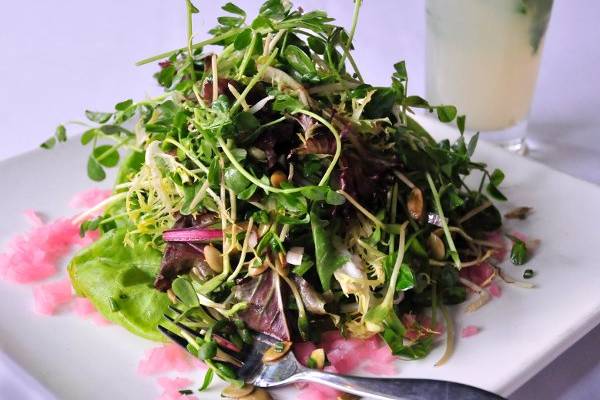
point(276, 351)
point(236, 392)
point(318, 358)
point(257, 394)
point(436, 247)
point(213, 258)
point(415, 203)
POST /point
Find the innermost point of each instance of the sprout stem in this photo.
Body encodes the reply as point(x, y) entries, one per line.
point(440, 211)
point(212, 40)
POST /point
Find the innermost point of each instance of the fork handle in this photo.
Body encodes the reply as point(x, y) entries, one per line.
point(397, 388)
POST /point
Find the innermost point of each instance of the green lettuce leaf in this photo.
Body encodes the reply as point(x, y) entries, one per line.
point(118, 279)
point(327, 257)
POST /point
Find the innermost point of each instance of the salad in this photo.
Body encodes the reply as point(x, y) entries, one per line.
point(271, 189)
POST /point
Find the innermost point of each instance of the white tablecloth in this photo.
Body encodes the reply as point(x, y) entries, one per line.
point(61, 57)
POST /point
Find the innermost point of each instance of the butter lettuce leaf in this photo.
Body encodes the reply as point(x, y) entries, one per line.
point(118, 279)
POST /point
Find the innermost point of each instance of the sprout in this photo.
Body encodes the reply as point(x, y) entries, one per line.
point(376, 317)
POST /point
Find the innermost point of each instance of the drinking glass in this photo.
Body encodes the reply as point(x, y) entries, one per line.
point(483, 56)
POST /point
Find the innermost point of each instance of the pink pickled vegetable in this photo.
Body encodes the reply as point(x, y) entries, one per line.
point(498, 238)
point(33, 217)
point(48, 297)
point(381, 362)
point(193, 234)
point(520, 235)
point(32, 256)
point(89, 198)
point(166, 358)
point(222, 342)
point(495, 289)
point(469, 331)
point(172, 386)
point(315, 391)
point(83, 307)
point(345, 355)
point(478, 274)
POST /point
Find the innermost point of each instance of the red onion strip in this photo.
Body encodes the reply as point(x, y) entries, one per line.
point(192, 235)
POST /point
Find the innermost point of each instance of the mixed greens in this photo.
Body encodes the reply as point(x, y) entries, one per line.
point(271, 189)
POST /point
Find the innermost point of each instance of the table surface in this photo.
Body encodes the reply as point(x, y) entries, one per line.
point(60, 58)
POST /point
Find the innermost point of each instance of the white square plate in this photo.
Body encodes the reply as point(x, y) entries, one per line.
point(521, 332)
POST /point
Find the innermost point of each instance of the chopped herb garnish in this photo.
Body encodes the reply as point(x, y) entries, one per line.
point(528, 273)
point(518, 253)
point(279, 347)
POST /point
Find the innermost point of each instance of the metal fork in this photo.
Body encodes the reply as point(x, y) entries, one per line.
point(288, 370)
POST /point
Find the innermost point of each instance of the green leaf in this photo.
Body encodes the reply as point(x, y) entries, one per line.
point(247, 193)
point(48, 144)
point(61, 133)
point(261, 22)
point(494, 192)
point(328, 260)
point(406, 278)
point(460, 123)
point(381, 104)
point(306, 264)
point(233, 9)
point(446, 113)
point(261, 217)
point(95, 170)
point(316, 44)
point(287, 104)
point(291, 202)
point(400, 70)
point(185, 291)
point(124, 105)
point(243, 39)
point(97, 271)
point(232, 22)
point(208, 377)
point(207, 350)
point(97, 116)
point(88, 136)
point(472, 144)
point(299, 60)
point(131, 164)
point(214, 173)
point(189, 193)
point(239, 154)
point(106, 156)
point(269, 240)
point(234, 180)
point(193, 9)
point(246, 122)
point(284, 219)
point(315, 193)
point(497, 177)
point(416, 101)
point(112, 129)
point(334, 198)
point(273, 9)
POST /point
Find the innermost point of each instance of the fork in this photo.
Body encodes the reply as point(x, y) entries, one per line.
point(288, 370)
